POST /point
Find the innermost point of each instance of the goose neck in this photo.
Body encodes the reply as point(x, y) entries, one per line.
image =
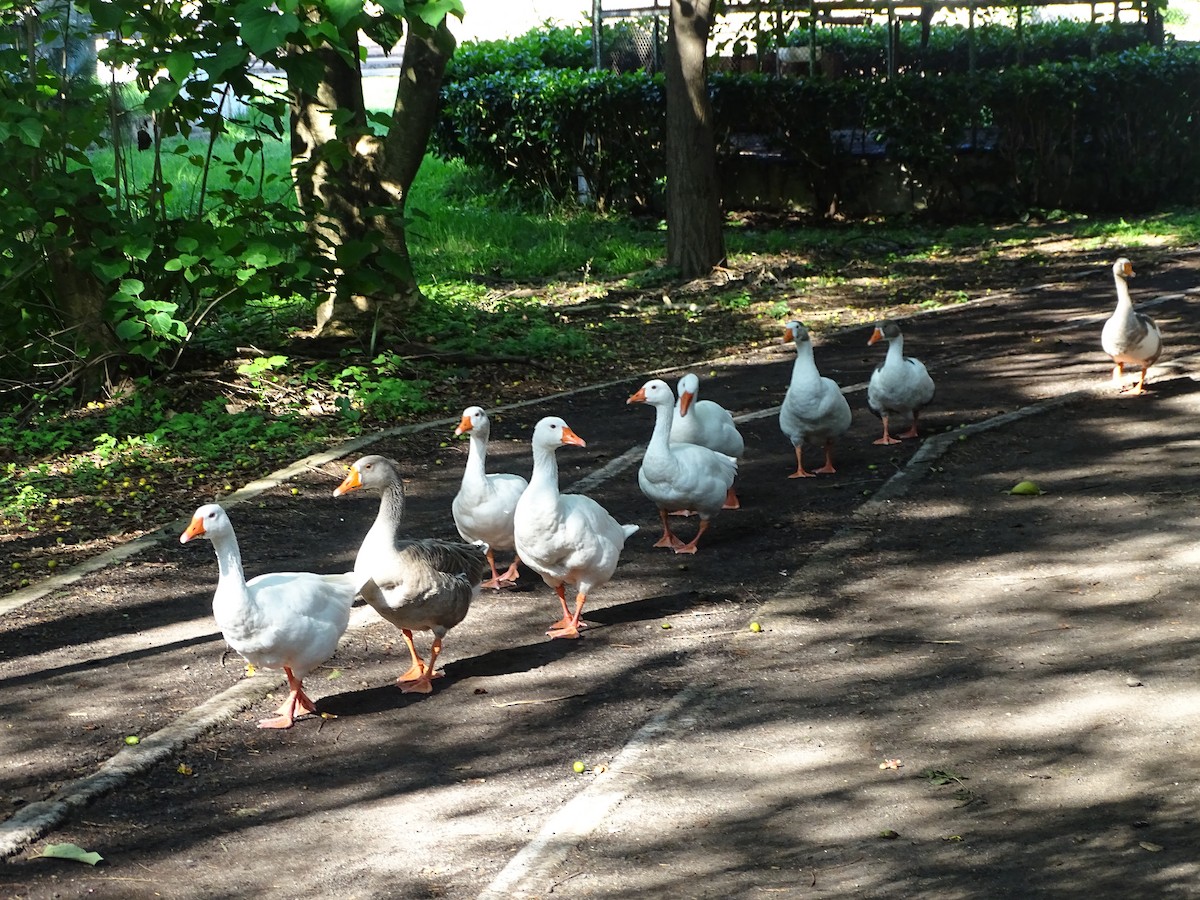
point(1123, 298)
point(391, 509)
point(661, 436)
point(477, 454)
point(805, 367)
point(545, 469)
point(229, 559)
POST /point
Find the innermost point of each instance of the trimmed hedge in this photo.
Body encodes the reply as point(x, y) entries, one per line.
point(1121, 134)
point(861, 51)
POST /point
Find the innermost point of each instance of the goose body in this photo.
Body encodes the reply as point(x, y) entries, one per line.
point(680, 476)
point(565, 538)
point(1131, 338)
point(283, 620)
point(900, 387)
point(417, 585)
point(486, 503)
point(814, 409)
point(706, 423)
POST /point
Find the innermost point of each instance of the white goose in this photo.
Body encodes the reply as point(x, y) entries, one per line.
point(284, 620)
point(565, 538)
point(680, 476)
point(814, 409)
point(485, 504)
point(1131, 338)
point(707, 423)
point(417, 585)
point(900, 387)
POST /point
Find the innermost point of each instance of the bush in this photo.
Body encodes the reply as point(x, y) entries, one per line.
point(1115, 134)
point(861, 51)
point(540, 131)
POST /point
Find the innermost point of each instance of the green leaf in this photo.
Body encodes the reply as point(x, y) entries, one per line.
point(72, 852)
point(180, 64)
point(111, 269)
point(161, 95)
point(435, 11)
point(264, 30)
point(227, 58)
point(128, 329)
point(30, 132)
point(108, 16)
point(343, 11)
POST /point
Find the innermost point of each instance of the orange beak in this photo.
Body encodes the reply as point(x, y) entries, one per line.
point(1128, 270)
point(685, 402)
point(876, 335)
point(463, 427)
point(352, 482)
point(570, 437)
point(788, 337)
point(194, 529)
point(639, 397)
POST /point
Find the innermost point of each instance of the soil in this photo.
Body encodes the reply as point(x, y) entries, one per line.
point(954, 692)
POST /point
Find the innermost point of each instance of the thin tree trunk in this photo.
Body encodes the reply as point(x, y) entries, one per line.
point(355, 197)
point(695, 241)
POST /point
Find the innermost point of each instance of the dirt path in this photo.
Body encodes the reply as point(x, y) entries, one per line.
point(993, 639)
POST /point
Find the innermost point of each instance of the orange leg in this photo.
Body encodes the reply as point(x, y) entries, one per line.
point(690, 547)
point(565, 621)
point(423, 684)
point(800, 470)
point(1140, 388)
point(912, 432)
point(286, 714)
point(416, 672)
point(887, 438)
point(513, 572)
point(828, 468)
point(494, 581)
point(569, 627)
point(731, 499)
point(668, 538)
point(1118, 372)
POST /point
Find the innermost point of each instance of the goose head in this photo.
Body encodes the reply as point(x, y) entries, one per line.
point(207, 521)
point(656, 392)
point(368, 472)
point(794, 332)
point(885, 331)
point(689, 390)
point(474, 420)
point(1123, 268)
point(552, 432)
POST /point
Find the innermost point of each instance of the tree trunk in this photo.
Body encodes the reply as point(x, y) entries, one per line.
point(695, 241)
point(353, 185)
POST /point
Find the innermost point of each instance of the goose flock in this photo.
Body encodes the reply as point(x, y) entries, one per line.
point(292, 621)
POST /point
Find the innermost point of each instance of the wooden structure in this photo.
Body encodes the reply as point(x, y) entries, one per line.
point(775, 16)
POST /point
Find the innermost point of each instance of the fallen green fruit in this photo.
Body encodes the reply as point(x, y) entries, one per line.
point(1026, 488)
point(755, 627)
point(578, 766)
